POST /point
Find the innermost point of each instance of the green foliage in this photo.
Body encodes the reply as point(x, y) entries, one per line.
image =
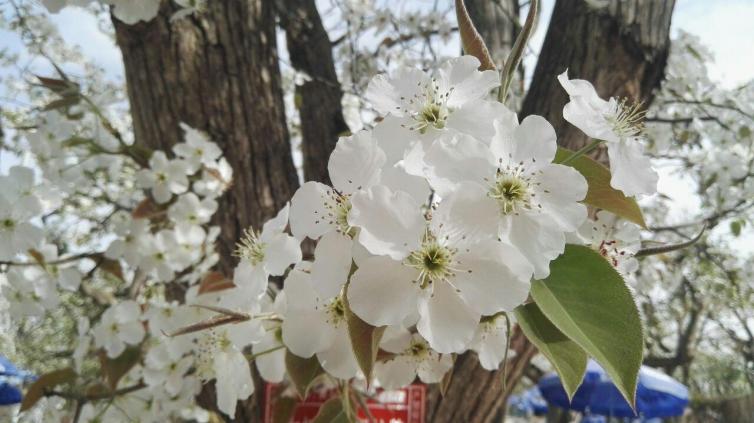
point(302, 371)
point(600, 194)
point(365, 340)
point(331, 412)
point(588, 301)
point(568, 359)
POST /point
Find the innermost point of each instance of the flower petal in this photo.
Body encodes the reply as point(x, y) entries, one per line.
point(391, 222)
point(338, 360)
point(275, 225)
point(446, 321)
point(632, 170)
point(383, 291)
point(310, 207)
point(332, 264)
point(453, 159)
point(433, 368)
point(486, 283)
point(281, 251)
point(355, 163)
point(395, 373)
point(462, 74)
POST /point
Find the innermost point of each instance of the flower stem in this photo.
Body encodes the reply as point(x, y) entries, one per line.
point(252, 357)
point(583, 150)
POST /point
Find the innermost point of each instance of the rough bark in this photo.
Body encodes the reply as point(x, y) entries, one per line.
point(622, 49)
point(319, 98)
point(217, 72)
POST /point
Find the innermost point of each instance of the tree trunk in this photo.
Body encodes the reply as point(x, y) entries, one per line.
point(217, 72)
point(318, 98)
point(622, 49)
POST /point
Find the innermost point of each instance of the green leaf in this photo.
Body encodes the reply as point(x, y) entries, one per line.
point(331, 412)
point(114, 369)
point(365, 340)
point(600, 194)
point(47, 380)
point(589, 302)
point(282, 411)
point(744, 132)
point(736, 226)
point(302, 371)
point(471, 41)
point(568, 359)
point(62, 103)
point(517, 51)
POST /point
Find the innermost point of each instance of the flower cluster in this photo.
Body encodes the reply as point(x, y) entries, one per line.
point(437, 219)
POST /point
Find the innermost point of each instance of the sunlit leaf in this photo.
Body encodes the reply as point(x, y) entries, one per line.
point(568, 359)
point(302, 371)
point(331, 412)
point(587, 300)
point(600, 194)
point(365, 340)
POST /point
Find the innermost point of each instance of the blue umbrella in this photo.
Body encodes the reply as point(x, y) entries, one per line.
point(528, 402)
point(657, 394)
point(9, 394)
point(8, 369)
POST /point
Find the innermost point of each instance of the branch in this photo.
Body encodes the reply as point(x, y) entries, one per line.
point(97, 395)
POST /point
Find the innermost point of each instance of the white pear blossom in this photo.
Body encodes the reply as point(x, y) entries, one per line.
point(619, 125)
point(197, 150)
point(28, 295)
point(157, 254)
point(317, 209)
point(454, 98)
point(491, 341)
point(188, 209)
point(412, 357)
point(133, 235)
point(270, 350)
point(449, 276)
point(215, 179)
point(18, 205)
point(120, 325)
point(166, 370)
point(616, 239)
point(265, 253)
point(164, 177)
point(317, 325)
point(512, 188)
point(68, 277)
point(219, 351)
